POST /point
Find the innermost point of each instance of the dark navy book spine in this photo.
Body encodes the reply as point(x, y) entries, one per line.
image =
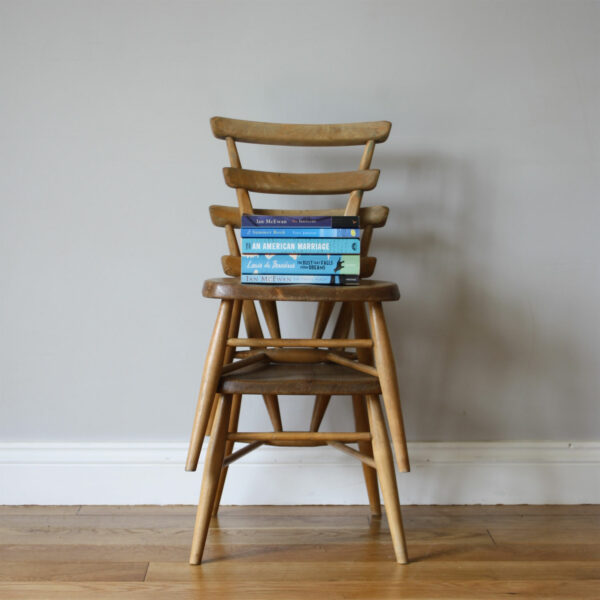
point(341, 222)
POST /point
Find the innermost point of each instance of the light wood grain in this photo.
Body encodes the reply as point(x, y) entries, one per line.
point(361, 422)
point(56, 570)
point(353, 205)
point(299, 343)
point(299, 379)
point(479, 549)
point(210, 478)
point(386, 367)
point(334, 590)
point(208, 386)
point(267, 182)
point(387, 477)
point(324, 310)
point(234, 417)
point(244, 203)
point(357, 366)
point(352, 571)
point(338, 436)
point(365, 291)
point(289, 134)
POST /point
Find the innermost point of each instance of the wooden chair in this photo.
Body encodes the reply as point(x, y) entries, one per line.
point(270, 366)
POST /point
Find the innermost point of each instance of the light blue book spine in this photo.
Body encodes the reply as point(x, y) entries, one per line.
point(298, 232)
point(300, 246)
point(303, 279)
point(283, 264)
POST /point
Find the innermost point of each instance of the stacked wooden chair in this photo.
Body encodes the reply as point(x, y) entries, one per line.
point(361, 366)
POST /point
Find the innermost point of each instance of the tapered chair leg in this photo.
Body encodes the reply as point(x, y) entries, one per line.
point(272, 403)
point(234, 327)
point(384, 361)
point(365, 355)
point(319, 408)
point(234, 418)
point(340, 330)
point(387, 477)
point(210, 478)
point(210, 381)
point(362, 424)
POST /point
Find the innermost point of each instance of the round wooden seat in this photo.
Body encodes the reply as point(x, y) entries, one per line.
point(230, 288)
point(298, 379)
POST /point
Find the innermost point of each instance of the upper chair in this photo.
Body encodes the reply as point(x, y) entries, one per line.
point(353, 183)
point(362, 366)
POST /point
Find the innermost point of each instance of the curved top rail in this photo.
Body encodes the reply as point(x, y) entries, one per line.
point(288, 134)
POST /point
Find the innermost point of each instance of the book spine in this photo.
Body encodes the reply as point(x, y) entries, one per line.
point(299, 232)
point(300, 246)
point(284, 264)
point(302, 279)
point(341, 222)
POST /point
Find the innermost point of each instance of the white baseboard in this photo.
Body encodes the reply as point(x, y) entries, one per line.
point(442, 473)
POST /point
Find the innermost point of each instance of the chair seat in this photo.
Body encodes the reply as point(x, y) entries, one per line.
point(298, 378)
point(230, 288)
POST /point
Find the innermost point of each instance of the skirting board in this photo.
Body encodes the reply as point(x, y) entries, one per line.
point(442, 473)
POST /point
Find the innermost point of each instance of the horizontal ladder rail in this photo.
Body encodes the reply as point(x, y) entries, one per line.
point(300, 436)
point(300, 343)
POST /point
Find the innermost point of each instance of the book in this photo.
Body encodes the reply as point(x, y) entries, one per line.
point(302, 279)
point(341, 222)
point(299, 232)
point(285, 264)
point(300, 246)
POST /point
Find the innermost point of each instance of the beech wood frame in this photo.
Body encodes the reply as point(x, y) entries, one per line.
point(217, 414)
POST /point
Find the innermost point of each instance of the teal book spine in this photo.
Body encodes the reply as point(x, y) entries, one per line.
point(284, 264)
point(300, 246)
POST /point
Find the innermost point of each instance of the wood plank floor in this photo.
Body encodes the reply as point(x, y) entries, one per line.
point(275, 552)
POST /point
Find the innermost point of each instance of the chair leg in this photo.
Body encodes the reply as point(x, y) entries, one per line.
point(234, 418)
point(324, 310)
point(254, 329)
point(387, 477)
point(319, 408)
point(362, 424)
point(210, 381)
point(210, 478)
point(234, 327)
point(340, 330)
point(384, 361)
point(365, 355)
point(272, 403)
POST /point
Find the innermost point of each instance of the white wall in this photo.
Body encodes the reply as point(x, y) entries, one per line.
point(491, 172)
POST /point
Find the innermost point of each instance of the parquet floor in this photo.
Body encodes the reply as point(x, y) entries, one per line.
point(296, 552)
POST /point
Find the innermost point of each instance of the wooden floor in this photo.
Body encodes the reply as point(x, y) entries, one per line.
point(313, 553)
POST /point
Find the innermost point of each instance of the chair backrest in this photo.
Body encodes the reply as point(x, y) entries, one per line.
point(354, 183)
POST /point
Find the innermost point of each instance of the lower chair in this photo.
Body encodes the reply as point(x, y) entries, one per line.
point(361, 368)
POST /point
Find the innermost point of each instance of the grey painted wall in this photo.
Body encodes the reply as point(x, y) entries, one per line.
point(108, 167)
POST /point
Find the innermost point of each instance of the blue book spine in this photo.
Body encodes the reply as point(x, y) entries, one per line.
point(299, 232)
point(302, 279)
point(300, 246)
point(299, 221)
point(284, 264)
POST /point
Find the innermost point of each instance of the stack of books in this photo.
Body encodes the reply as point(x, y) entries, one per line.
point(300, 249)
